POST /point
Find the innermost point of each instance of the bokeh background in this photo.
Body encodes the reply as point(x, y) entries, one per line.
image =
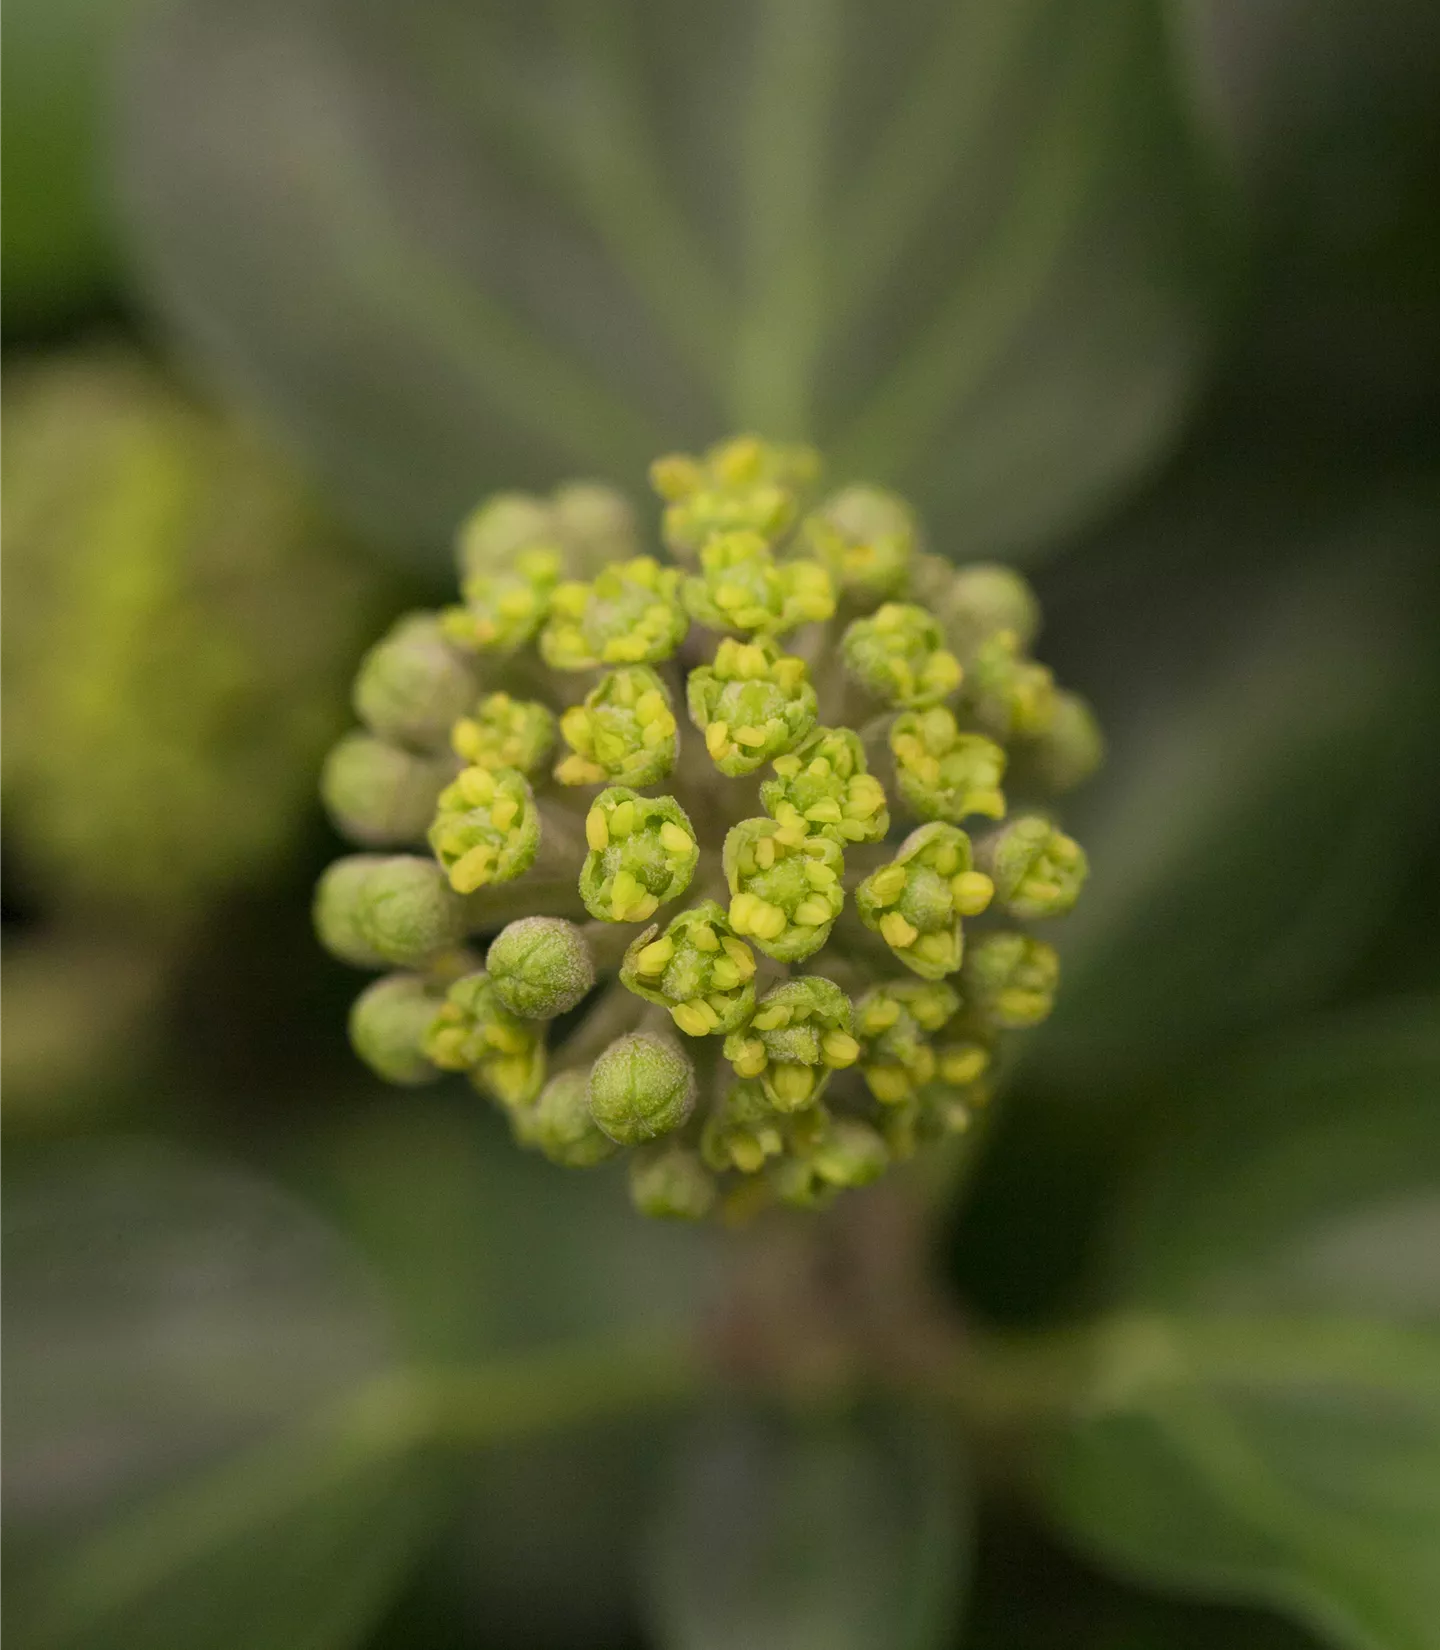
point(1143, 297)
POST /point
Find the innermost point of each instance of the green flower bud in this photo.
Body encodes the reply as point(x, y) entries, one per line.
point(641, 1087)
point(1009, 980)
point(697, 969)
point(500, 528)
point(486, 828)
point(642, 852)
point(797, 1037)
point(380, 795)
point(507, 604)
point(742, 587)
point(389, 1022)
point(786, 888)
point(915, 903)
point(1064, 753)
point(629, 615)
point(540, 967)
point(474, 1032)
point(671, 1183)
point(824, 786)
point(742, 1130)
point(596, 524)
point(976, 602)
point(370, 911)
point(866, 537)
point(412, 684)
point(943, 773)
point(896, 1024)
point(1009, 694)
point(743, 485)
point(753, 703)
point(899, 654)
point(559, 1123)
point(625, 731)
point(850, 1153)
point(1037, 870)
point(506, 733)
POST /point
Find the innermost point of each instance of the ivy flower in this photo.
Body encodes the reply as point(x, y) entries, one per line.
point(797, 1038)
point(486, 828)
point(625, 731)
point(629, 615)
point(742, 587)
point(1037, 870)
point(899, 654)
point(753, 703)
point(866, 538)
point(506, 605)
point(503, 732)
point(896, 1026)
point(474, 1032)
point(943, 773)
point(643, 852)
point(825, 784)
point(785, 886)
point(915, 903)
point(1009, 694)
point(697, 969)
point(741, 485)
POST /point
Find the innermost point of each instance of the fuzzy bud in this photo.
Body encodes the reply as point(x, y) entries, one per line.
point(980, 600)
point(697, 969)
point(499, 529)
point(558, 1123)
point(486, 828)
point(540, 967)
point(825, 785)
point(741, 587)
point(596, 524)
point(1037, 870)
point(786, 887)
point(899, 654)
point(943, 773)
point(412, 684)
point(671, 1183)
point(866, 538)
point(915, 903)
point(379, 794)
point(629, 615)
point(389, 1022)
point(753, 703)
point(370, 911)
point(798, 1036)
point(641, 1087)
point(503, 732)
point(474, 1032)
point(1010, 979)
point(642, 852)
point(624, 732)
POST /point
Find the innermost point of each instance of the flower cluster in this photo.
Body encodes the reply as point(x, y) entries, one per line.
point(823, 997)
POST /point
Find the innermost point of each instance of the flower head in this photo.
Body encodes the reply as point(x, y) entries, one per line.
point(625, 731)
point(825, 784)
point(697, 969)
point(797, 1037)
point(899, 654)
point(752, 703)
point(474, 1032)
point(629, 614)
point(785, 886)
point(736, 1103)
point(643, 852)
point(943, 773)
point(915, 903)
point(486, 828)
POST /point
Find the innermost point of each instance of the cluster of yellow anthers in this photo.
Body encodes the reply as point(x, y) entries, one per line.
point(833, 670)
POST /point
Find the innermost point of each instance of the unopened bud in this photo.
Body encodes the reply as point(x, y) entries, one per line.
point(596, 524)
point(540, 967)
point(412, 684)
point(641, 1087)
point(671, 1183)
point(370, 911)
point(388, 1026)
point(379, 794)
point(497, 530)
point(559, 1123)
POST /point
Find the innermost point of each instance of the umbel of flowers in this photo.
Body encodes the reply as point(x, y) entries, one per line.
point(724, 855)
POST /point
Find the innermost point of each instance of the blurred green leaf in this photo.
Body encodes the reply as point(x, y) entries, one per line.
point(972, 249)
point(200, 1448)
point(811, 1533)
point(1256, 825)
point(1263, 1418)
